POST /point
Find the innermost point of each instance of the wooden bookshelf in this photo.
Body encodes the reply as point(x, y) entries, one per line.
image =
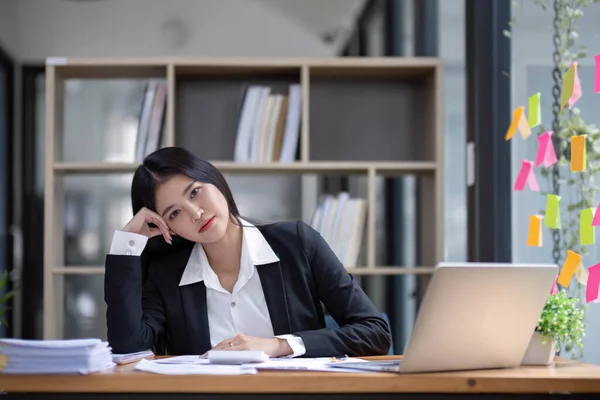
point(367, 116)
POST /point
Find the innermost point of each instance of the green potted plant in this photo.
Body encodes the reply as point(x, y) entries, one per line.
point(561, 323)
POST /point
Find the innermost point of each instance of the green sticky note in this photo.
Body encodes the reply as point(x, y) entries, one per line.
point(567, 86)
point(552, 218)
point(535, 111)
point(586, 230)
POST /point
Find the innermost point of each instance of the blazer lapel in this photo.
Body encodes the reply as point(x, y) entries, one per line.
point(274, 290)
point(193, 298)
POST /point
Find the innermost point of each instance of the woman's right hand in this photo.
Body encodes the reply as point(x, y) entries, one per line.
point(140, 224)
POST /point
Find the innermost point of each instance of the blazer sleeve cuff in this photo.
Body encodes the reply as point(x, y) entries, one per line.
point(296, 343)
point(127, 244)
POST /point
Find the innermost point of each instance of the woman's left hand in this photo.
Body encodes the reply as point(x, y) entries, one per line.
point(273, 347)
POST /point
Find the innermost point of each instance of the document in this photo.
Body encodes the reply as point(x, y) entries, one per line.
point(131, 357)
point(71, 356)
point(192, 369)
point(185, 360)
point(306, 364)
point(193, 364)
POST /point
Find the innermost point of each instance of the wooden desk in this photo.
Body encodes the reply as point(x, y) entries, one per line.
point(126, 383)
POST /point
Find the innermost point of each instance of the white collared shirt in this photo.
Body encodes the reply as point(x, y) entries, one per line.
point(244, 310)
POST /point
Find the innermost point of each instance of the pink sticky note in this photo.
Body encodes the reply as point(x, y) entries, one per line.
point(597, 74)
point(546, 153)
point(526, 175)
point(593, 284)
point(576, 88)
point(596, 220)
point(554, 289)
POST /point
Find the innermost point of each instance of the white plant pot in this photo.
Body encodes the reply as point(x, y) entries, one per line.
point(539, 353)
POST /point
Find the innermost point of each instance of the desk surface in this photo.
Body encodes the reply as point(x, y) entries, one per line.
point(562, 376)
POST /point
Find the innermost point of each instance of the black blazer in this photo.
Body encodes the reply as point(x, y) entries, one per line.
point(146, 304)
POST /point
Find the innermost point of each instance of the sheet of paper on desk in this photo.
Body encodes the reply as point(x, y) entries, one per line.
point(187, 360)
point(155, 367)
point(305, 364)
point(131, 357)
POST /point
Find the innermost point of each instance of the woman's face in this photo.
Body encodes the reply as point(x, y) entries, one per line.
point(194, 210)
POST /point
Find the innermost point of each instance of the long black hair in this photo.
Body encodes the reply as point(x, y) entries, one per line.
point(161, 165)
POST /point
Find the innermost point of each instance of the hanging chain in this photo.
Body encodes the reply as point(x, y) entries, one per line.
point(556, 74)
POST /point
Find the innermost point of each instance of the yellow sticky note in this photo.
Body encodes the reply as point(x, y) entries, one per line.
point(517, 114)
point(582, 274)
point(568, 85)
point(535, 111)
point(552, 218)
point(568, 269)
point(519, 121)
point(535, 231)
point(587, 233)
point(578, 150)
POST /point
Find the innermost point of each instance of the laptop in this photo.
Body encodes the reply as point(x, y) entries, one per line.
point(473, 316)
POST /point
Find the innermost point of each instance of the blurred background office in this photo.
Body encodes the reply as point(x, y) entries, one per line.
point(485, 76)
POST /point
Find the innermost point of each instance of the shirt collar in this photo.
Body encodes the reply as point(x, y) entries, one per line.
point(254, 245)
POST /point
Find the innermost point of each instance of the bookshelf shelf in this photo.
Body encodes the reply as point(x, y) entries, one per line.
point(383, 168)
point(361, 119)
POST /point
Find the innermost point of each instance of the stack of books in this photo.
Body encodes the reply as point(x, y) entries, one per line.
point(71, 356)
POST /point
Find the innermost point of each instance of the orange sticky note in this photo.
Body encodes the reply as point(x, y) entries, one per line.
point(578, 150)
point(566, 273)
point(519, 121)
point(535, 231)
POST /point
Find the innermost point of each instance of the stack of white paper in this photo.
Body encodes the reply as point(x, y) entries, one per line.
point(71, 356)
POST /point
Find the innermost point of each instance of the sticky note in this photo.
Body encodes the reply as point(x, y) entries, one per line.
point(587, 233)
point(593, 284)
point(546, 154)
point(571, 87)
point(597, 74)
point(552, 217)
point(554, 289)
point(535, 111)
point(582, 274)
point(518, 122)
point(567, 87)
point(578, 150)
point(568, 269)
point(596, 220)
point(576, 88)
point(526, 175)
point(534, 238)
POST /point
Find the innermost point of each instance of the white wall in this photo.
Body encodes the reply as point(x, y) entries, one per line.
point(126, 28)
point(8, 26)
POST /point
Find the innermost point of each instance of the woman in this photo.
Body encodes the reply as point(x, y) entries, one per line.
point(187, 269)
